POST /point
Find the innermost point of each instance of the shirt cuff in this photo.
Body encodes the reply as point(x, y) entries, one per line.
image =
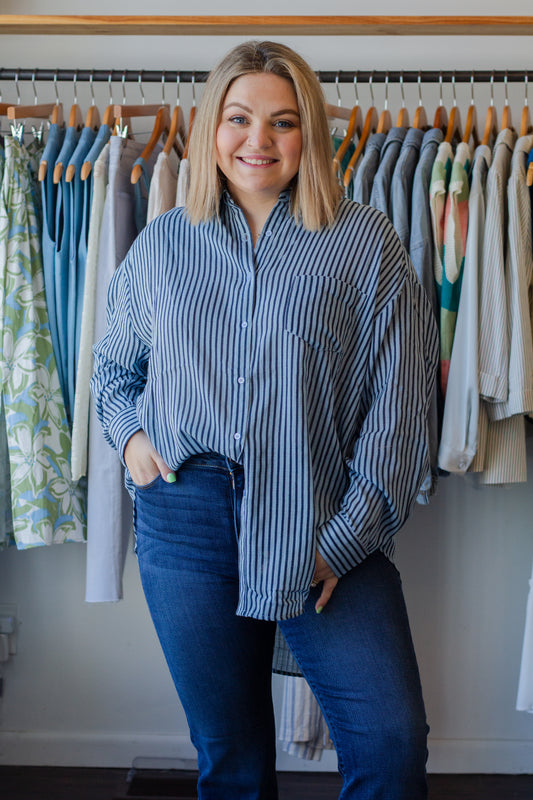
point(338, 545)
point(122, 428)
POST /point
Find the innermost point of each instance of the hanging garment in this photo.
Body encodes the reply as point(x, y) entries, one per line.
point(438, 191)
point(505, 459)
point(518, 274)
point(61, 260)
point(183, 182)
point(402, 184)
point(455, 228)
point(460, 427)
point(54, 142)
point(164, 185)
point(493, 333)
point(361, 186)
point(102, 137)
point(380, 194)
point(109, 524)
point(421, 254)
point(79, 201)
point(302, 729)
point(80, 424)
point(47, 506)
point(6, 517)
point(524, 700)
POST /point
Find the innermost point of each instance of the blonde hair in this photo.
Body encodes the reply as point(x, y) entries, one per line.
point(315, 193)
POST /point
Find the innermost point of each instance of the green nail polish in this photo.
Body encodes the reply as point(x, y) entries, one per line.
point(320, 609)
point(171, 478)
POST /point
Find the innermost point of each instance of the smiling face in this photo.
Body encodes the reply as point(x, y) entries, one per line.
point(259, 138)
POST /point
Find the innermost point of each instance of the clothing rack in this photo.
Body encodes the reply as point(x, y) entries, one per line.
point(325, 76)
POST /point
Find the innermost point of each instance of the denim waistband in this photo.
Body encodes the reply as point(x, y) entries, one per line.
point(212, 460)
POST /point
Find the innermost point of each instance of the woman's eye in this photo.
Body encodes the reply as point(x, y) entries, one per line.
point(238, 120)
point(284, 123)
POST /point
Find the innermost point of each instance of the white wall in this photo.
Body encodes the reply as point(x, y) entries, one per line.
point(88, 685)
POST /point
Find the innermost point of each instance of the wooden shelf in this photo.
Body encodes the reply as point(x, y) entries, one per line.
point(269, 25)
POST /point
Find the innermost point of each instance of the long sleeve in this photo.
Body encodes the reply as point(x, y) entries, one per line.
point(120, 364)
point(390, 457)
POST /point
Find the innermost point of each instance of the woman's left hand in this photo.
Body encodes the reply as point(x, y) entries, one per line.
point(325, 575)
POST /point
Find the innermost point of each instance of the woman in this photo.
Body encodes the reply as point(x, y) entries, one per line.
point(265, 378)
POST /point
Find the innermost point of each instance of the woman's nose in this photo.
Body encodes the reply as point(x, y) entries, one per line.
point(259, 136)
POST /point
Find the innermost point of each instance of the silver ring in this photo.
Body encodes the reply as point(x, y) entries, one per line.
point(314, 584)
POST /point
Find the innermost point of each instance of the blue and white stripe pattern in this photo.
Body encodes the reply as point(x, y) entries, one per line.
point(309, 359)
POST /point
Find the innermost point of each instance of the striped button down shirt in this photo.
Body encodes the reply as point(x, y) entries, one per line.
point(309, 359)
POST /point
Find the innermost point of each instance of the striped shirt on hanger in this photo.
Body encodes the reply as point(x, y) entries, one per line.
point(309, 359)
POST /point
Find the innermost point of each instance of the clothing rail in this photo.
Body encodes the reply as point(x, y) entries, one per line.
point(325, 76)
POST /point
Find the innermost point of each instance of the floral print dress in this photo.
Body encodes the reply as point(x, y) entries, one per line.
point(47, 507)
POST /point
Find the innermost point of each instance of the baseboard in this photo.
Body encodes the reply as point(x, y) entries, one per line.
point(119, 749)
point(481, 756)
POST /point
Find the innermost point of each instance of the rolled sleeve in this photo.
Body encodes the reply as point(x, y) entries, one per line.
point(390, 457)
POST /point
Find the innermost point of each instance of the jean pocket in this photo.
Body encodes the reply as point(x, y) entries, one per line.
point(144, 486)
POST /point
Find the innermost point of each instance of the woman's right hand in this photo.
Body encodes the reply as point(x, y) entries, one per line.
point(144, 462)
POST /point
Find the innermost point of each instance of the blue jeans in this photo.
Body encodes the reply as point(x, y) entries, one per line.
point(357, 655)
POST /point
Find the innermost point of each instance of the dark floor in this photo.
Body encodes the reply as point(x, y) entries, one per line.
point(57, 783)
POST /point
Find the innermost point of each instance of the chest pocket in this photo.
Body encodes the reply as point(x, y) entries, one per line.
point(324, 311)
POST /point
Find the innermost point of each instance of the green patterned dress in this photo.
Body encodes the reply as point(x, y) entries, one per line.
point(47, 507)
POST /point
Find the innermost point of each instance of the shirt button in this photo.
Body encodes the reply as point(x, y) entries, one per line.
point(244, 324)
point(240, 380)
point(236, 436)
point(268, 233)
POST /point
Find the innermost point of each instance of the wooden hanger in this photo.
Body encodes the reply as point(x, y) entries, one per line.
point(338, 112)
point(385, 120)
point(192, 115)
point(55, 119)
point(75, 121)
point(420, 120)
point(109, 120)
point(491, 127)
point(507, 121)
point(177, 134)
point(35, 111)
point(161, 126)
point(92, 118)
point(402, 120)
point(454, 131)
point(525, 118)
point(490, 131)
point(440, 120)
point(123, 112)
point(471, 120)
point(355, 126)
point(371, 125)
